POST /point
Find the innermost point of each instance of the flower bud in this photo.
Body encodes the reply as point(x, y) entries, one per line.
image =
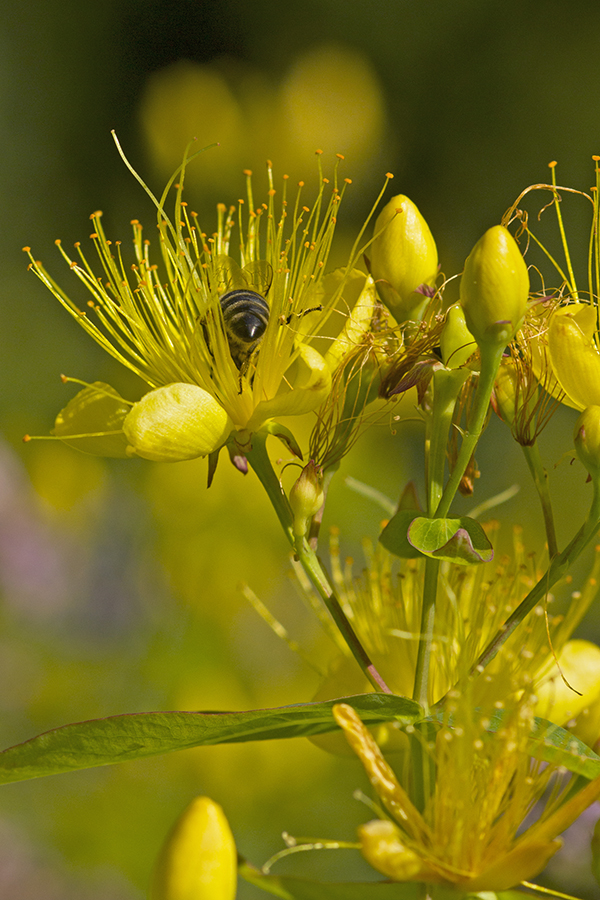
point(382, 847)
point(587, 439)
point(457, 343)
point(199, 859)
point(403, 259)
point(494, 288)
point(306, 497)
point(176, 422)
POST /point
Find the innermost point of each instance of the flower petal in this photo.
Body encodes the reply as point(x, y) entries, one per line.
point(574, 357)
point(306, 385)
point(96, 416)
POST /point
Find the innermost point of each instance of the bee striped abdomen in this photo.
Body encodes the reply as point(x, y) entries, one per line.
point(246, 316)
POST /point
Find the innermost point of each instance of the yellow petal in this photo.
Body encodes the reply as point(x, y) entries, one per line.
point(356, 325)
point(96, 414)
point(579, 663)
point(176, 422)
point(574, 358)
point(306, 384)
point(521, 864)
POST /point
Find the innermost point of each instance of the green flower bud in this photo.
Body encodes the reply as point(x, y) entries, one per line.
point(403, 258)
point(306, 497)
point(176, 422)
point(199, 859)
point(494, 288)
point(587, 439)
point(457, 343)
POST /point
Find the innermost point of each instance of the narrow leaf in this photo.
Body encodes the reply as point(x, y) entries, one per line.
point(560, 747)
point(102, 742)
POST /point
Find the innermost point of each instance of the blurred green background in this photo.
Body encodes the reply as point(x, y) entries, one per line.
point(120, 579)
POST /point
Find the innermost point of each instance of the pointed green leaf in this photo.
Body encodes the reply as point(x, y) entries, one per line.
point(394, 536)
point(102, 742)
point(289, 888)
point(560, 747)
point(462, 541)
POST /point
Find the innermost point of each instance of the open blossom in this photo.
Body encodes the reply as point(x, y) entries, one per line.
point(473, 833)
point(165, 322)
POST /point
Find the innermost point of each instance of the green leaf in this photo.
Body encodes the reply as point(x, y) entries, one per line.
point(560, 747)
point(462, 541)
point(103, 742)
point(288, 888)
point(548, 742)
point(394, 536)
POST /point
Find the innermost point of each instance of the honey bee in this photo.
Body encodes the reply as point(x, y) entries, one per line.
point(245, 308)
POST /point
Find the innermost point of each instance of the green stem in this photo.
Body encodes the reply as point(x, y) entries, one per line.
point(490, 360)
point(540, 479)
point(261, 463)
point(559, 566)
point(447, 384)
point(312, 566)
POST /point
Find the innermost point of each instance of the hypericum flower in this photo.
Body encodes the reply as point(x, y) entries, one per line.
point(207, 379)
point(198, 860)
point(472, 833)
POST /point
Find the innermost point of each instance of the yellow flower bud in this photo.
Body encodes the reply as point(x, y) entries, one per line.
point(587, 439)
point(494, 288)
point(176, 422)
point(306, 497)
point(456, 343)
point(382, 847)
point(199, 859)
point(403, 258)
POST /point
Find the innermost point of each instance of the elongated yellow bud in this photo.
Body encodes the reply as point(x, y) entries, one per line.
point(494, 288)
point(587, 439)
point(199, 859)
point(306, 497)
point(382, 847)
point(176, 422)
point(403, 259)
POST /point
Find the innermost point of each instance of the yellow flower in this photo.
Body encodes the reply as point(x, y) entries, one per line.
point(470, 834)
point(171, 327)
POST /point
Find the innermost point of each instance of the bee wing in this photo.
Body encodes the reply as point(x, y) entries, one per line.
point(258, 276)
point(230, 276)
